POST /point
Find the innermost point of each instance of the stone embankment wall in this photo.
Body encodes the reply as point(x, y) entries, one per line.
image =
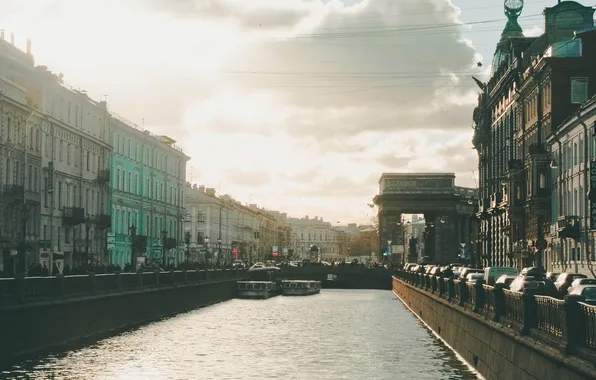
point(343, 277)
point(494, 350)
point(34, 327)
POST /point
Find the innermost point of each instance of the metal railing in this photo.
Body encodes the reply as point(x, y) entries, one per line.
point(550, 313)
point(569, 322)
point(588, 321)
point(14, 291)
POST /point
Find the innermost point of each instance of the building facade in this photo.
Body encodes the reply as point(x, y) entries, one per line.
point(20, 161)
point(532, 89)
point(62, 171)
point(332, 242)
point(148, 181)
point(573, 220)
point(221, 229)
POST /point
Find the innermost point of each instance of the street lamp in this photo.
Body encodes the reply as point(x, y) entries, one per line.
point(164, 236)
point(187, 230)
point(87, 228)
point(132, 230)
point(218, 250)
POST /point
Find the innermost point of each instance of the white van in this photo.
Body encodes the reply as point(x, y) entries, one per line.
point(491, 274)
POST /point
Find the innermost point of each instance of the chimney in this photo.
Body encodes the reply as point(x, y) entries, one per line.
point(12, 38)
point(28, 46)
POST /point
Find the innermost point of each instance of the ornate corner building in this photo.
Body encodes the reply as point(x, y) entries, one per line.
point(536, 83)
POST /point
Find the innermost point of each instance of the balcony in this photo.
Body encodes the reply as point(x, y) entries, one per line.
point(170, 243)
point(13, 191)
point(140, 241)
point(568, 227)
point(73, 216)
point(496, 199)
point(103, 221)
point(103, 177)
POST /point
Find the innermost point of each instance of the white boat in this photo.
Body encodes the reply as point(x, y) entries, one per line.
point(256, 289)
point(300, 287)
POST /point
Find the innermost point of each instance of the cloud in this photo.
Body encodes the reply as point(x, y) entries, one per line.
point(299, 105)
point(248, 178)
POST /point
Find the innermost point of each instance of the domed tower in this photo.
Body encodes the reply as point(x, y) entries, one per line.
point(513, 8)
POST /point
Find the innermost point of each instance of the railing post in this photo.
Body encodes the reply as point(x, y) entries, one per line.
point(499, 298)
point(21, 286)
point(441, 286)
point(140, 280)
point(529, 305)
point(450, 288)
point(118, 279)
point(61, 284)
point(92, 283)
point(463, 293)
point(575, 326)
point(479, 299)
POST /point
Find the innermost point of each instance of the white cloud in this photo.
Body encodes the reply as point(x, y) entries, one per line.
point(297, 105)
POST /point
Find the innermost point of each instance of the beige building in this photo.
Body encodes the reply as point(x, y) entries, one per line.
point(308, 232)
point(222, 228)
point(54, 156)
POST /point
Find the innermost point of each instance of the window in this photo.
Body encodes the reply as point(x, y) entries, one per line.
point(8, 127)
point(61, 153)
point(579, 90)
point(201, 217)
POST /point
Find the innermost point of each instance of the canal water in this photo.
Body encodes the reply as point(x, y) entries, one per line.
point(338, 334)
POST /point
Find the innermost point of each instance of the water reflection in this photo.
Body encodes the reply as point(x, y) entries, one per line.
point(334, 335)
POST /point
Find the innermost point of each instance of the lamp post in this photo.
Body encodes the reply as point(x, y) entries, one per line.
point(164, 236)
point(132, 230)
point(187, 230)
point(218, 251)
point(87, 228)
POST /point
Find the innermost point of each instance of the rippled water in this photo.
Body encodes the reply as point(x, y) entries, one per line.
point(338, 334)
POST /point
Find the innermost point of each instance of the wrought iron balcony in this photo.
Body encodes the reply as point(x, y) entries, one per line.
point(139, 241)
point(13, 191)
point(496, 199)
point(103, 221)
point(103, 176)
point(72, 216)
point(568, 227)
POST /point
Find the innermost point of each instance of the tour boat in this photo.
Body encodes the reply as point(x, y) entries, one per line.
point(300, 287)
point(256, 289)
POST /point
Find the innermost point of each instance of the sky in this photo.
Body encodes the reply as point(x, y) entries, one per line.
point(295, 105)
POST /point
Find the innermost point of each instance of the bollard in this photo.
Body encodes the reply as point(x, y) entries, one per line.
point(92, 283)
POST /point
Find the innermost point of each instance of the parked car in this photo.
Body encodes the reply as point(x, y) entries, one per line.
point(506, 280)
point(581, 281)
point(474, 278)
point(491, 274)
point(239, 264)
point(534, 279)
point(465, 271)
point(564, 282)
point(588, 292)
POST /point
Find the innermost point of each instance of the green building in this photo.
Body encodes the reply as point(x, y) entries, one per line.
point(147, 196)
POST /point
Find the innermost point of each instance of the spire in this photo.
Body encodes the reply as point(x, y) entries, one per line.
point(513, 8)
